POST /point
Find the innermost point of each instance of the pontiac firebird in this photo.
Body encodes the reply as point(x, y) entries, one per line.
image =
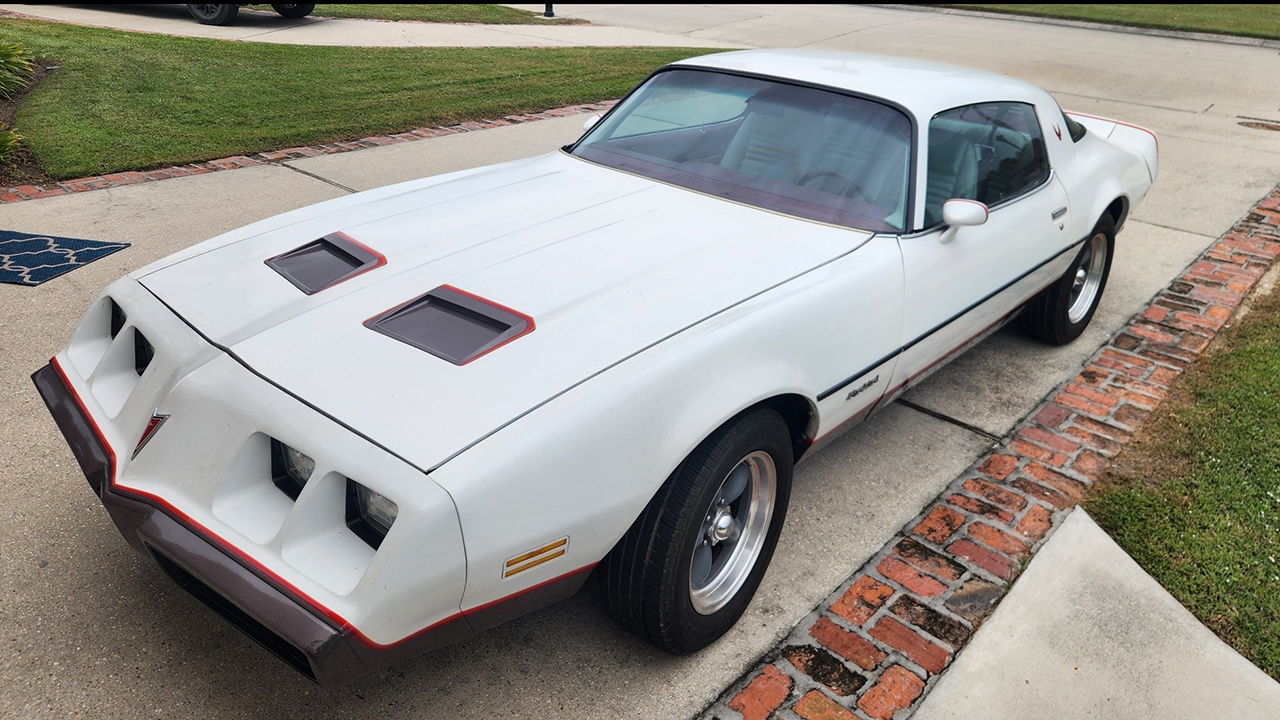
point(372, 426)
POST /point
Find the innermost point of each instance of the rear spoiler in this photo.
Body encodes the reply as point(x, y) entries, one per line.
point(1132, 137)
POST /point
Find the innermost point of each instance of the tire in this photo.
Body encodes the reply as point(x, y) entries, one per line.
point(1063, 310)
point(293, 11)
point(647, 580)
point(214, 14)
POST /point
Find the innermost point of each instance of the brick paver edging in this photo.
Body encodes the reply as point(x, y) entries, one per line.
point(271, 157)
point(876, 646)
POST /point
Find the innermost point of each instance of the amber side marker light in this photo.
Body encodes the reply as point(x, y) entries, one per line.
point(534, 558)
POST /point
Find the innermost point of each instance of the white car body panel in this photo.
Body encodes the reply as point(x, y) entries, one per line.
point(660, 314)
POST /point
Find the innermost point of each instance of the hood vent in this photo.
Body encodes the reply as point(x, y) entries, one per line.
point(452, 324)
point(326, 262)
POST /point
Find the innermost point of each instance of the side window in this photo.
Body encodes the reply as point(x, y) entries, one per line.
point(988, 152)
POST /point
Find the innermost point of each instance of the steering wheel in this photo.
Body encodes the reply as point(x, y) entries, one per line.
point(848, 184)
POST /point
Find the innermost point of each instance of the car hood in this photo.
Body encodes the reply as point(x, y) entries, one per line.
point(605, 263)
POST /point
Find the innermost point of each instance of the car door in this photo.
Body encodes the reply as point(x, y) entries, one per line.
point(962, 282)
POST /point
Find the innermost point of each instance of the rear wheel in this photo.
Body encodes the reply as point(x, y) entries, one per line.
point(214, 14)
point(1060, 313)
point(690, 564)
point(293, 11)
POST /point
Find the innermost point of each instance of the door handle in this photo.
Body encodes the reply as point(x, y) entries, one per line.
point(1059, 212)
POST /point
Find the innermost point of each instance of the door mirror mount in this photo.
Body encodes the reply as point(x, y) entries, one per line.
point(590, 123)
point(958, 213)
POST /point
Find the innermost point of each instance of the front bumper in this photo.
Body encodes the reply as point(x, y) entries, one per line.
point(260, 605)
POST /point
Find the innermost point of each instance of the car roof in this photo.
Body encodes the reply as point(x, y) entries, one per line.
point(925, 88)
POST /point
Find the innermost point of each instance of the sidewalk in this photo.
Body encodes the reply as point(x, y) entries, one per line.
point(1087, 634)
point(271, 28)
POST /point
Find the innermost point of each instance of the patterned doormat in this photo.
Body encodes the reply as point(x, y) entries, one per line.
point(27, 259)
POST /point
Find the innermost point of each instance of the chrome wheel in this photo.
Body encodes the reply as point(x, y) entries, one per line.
point(1088, 278)
point(733, 532)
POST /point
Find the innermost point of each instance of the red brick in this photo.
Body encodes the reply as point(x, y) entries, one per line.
point(926, 654)
point(1090, 464)
point(1155, 313)
point(1093, 376)
point(988, 560)
point(896, 689)
point(1130, 415)
point(1078, 403)
point(1035, 451)
point(1040, 492)
point(816, 706)
point(945, 628)
point(763, 695)
point(1194, 343)
point(1142, 386)
point(1048, 439)
point(1217, 312)
point(850, 646)
point(825, 668)
point(1035, 523)
point(1133, 365)
point(11, 197)
point(1097, 442)
point(978, 507)
point(939, 524)
point(1103, 429)
point(1239, 288)
point(928, 560)
point(910, 578)
point(998, 467)
point(1163, 376)
point(998, 539)
point(995, 494)
point(1091, 395)
point(1133, 397)
point(861, 600)
point(1063, 484)
point(1149, 332)
point(1051, 416)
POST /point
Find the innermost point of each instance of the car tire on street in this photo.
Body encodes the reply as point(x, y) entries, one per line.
point(214, 14)
point(690, 564)
point(293, 11)
point(1062, 312)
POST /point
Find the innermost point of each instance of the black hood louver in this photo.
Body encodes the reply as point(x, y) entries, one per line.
point(323, 263)
point(452, 324)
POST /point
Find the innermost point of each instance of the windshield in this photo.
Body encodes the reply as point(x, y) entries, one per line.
point(801, 151)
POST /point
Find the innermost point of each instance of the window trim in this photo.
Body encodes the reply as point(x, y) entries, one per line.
point(909, 216)
point(1004, 201)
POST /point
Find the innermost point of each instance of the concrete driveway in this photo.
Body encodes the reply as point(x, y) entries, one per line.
point(95, 629)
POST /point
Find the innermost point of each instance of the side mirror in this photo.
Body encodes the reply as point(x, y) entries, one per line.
point(958, 213)
point(590, 123)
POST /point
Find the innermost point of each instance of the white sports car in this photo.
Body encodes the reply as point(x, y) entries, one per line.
point(365, 428)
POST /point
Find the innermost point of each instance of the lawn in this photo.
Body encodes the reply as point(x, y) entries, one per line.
point(1262, 21)
point(1196, 498)
point(458, 13)
point(132, 101)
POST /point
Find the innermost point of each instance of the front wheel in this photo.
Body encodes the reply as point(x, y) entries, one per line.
point(690, 564)
point(1060, 313)
point(214, 14)
point(293, 11)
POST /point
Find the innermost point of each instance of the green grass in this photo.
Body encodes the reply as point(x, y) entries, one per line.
point(128, 101)
point(1196, 499)
point(1262, 21)
point(490, 14)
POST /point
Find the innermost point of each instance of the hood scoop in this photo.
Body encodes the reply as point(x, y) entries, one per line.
point(323, 263)
point(452, 324)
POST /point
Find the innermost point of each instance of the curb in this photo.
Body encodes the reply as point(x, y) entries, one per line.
point(1090, 25)
point(877, 645)
point(276, 157)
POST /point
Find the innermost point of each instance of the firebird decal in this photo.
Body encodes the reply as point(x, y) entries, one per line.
point(1057, 131)
point(854, 392)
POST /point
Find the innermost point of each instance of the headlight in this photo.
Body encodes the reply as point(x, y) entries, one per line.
point(290, 469)
point(369, 514)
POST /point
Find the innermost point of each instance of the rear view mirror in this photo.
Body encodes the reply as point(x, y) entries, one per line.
point(958, 213)
point(590, 123)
